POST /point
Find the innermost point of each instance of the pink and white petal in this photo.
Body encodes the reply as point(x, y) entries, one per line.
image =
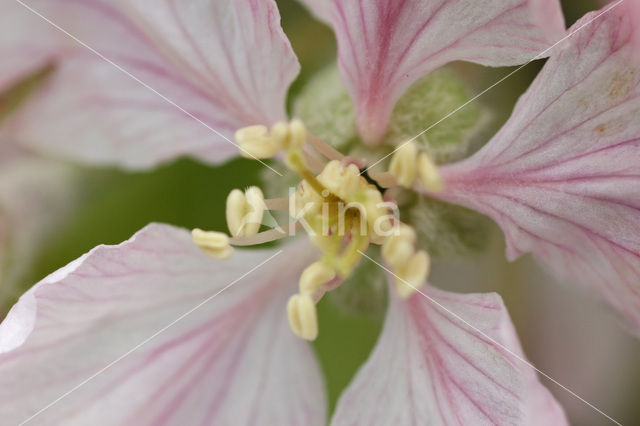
point(429, 367)
point(182, 78)
point(9, 150)
point(562, 177)
point(385, 46)
point(126, 317)
point(18, 31)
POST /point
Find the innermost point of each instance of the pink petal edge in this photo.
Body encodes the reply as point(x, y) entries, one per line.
point(231, 361)
point(562, 177)
point(428, 367)
point(385, 46)
point(17, 32)
point(211, 67)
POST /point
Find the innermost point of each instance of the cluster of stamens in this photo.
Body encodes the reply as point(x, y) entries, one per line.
point(408, 163)
point(340, 210)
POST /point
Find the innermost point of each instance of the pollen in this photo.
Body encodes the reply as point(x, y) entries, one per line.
point(245, 211)
point(428, 173)
point(260, 142)
point(302, 316)
point(342, 209)
point(403, 164)
point(410, 267)
point(215, 244)
point(409, 164)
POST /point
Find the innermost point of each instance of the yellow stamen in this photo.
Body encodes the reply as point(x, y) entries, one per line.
point(411, 267)
point(396, 251)
point(295, 160)
point(413, 275)
point(340, 210)
point(305, 201)
point(403, 164)
point(215, 244)
point(397, 248)
point(407, 164)
point(244, 211)
point(297, 135)
point(379, 219)
point(280, 133)
point(260, 142)
point(256, 142)
point(428, 173)
point(302, 316)
point(342, 181)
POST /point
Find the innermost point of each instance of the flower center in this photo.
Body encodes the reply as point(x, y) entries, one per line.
point(341, 208)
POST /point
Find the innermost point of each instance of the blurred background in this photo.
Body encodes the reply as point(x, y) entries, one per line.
point(64, 210)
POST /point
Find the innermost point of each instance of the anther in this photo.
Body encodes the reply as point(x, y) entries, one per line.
point(378, 218)
point(280, 133)
point(396, 250)
point(260, 142)
point(302, 316)
point(215, 244)
point(244, 211)
point(410, 267)
point(413, 274)
point(399, 247)
point(428, 173)
point(256, 142)
point(297, 134)
point(404, 165)
point(342, 180)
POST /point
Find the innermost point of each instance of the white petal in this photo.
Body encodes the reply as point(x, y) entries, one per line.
point(429, 367)
point(9, 151)
point(233, 360)
point(562, 177)
point(385, 46)
point(210, 67)
point(21, 56)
